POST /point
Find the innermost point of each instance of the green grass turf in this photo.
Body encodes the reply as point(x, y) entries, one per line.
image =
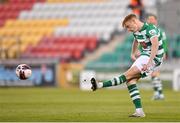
point(55, 104)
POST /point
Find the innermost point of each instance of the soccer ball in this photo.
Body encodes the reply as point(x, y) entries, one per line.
point(23, 71)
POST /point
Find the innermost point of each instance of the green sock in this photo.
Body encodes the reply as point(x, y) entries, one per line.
point(115, 81)
point(135, 96)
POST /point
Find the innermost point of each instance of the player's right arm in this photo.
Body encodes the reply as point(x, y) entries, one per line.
point(134, 50)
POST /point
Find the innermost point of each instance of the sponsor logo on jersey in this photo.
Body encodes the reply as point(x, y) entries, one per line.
point(152, 32)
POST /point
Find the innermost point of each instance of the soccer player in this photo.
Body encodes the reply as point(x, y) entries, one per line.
point(156, 81)
point(148, 36)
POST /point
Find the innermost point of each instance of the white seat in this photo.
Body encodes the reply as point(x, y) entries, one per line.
point(99, 19)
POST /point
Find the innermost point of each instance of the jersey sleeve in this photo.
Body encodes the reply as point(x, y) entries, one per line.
point(152, 31)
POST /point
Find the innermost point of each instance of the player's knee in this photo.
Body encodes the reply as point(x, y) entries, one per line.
point(133, 72)
point(129, 77)
point(130, 82)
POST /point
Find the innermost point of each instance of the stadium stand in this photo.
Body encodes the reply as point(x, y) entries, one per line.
point(98, 19)
point(119, 57)
point(71, 1)
point(64, 29)
point(12, 8)
point(67, 48)
point(10, 34)
point(29, 36)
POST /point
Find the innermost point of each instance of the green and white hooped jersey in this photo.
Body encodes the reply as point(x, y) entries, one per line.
point(143, 37)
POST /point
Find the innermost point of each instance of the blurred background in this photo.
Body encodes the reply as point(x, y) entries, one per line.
point(67, 41)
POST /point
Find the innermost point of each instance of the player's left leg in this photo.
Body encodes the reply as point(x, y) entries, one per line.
point(135, 96)
point(157, 86)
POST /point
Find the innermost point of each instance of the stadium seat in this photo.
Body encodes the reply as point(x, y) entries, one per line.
point(88, 18)
point(76, 26)
point(30, 36)
point(115, 59)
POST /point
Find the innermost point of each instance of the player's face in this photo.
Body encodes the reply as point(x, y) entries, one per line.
point(131, 26)
point(152, 20)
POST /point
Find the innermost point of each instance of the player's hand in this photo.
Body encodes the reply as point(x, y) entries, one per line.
point(138, 53)
point(146, 66)
point(133, 57)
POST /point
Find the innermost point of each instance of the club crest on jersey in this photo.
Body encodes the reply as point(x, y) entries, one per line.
point(152, 32)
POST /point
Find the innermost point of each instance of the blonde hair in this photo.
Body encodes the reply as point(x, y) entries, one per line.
point(127, 18)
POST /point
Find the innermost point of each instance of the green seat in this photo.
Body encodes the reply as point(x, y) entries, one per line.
point(120, 57)
point(109, 57)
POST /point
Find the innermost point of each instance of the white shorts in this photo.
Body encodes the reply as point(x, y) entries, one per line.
point(140, 61)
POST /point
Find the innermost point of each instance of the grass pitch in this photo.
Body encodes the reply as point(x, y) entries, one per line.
point(54, 104)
